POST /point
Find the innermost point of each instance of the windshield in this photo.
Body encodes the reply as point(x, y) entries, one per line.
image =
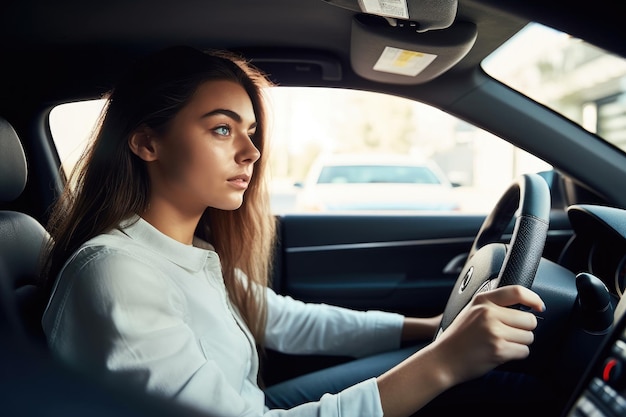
point(583, 83)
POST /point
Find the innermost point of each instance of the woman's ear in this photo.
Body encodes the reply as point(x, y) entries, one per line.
point(142, 144)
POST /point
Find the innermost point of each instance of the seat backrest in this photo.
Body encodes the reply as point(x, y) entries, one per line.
point(21, 236)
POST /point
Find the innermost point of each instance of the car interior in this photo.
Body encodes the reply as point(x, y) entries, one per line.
point(560, 230)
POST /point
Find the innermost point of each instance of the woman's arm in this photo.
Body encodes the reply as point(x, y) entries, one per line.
point(420, 328)
point(484, 335)
point(308, 328)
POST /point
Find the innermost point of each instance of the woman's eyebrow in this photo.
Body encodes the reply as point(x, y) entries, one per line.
point(228, 113)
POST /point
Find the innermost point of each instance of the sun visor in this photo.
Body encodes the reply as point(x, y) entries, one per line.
point(401, 55)
point(422, 15)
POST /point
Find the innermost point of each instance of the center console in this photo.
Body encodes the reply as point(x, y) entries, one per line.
point(603, 390)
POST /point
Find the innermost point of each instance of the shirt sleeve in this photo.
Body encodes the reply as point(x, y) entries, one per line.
point(360, 400)
point(306, 328)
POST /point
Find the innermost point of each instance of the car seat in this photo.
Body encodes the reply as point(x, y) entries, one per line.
point(21, 237)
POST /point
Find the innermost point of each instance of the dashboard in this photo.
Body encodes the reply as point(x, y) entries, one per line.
point(603, 389)
point(598, 247)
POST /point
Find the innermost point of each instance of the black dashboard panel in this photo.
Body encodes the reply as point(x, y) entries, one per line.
point(598, 245)
point(603, 390)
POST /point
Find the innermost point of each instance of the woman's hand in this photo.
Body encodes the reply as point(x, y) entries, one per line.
point(485, 334)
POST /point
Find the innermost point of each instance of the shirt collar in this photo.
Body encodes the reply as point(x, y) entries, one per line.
point(187, 256)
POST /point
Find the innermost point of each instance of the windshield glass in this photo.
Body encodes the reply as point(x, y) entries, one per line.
point(583, 83)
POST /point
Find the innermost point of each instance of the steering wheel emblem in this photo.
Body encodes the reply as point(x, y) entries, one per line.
point(466, 279)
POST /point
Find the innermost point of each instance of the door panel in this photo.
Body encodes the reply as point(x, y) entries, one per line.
point(374, 262)
point(406, 263)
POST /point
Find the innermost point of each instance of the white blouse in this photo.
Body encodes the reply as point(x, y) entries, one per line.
point(137, 305)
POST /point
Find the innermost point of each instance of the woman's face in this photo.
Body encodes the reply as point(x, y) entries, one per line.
point(206, 156)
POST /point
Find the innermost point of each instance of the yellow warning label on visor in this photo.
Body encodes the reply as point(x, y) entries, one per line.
point(403, 62)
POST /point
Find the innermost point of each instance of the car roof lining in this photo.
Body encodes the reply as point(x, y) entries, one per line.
point(96, 42)
point(105, 45)
point(105, 37)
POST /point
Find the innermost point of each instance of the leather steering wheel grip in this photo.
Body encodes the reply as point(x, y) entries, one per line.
point(492, 263)
point(533, 220)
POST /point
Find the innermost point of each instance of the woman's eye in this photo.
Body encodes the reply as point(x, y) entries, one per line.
point(222, 130)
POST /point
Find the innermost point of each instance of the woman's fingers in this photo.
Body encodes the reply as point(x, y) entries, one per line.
point(518, 319)
point(515, 325)
point(512, 342)
point(511, 295)
point(522, 337)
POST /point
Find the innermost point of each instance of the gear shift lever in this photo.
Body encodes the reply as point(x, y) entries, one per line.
point(594, 304)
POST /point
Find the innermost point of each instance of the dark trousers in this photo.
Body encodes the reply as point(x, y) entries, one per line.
point(497, 393)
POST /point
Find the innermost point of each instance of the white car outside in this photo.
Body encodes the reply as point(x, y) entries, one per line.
point(376, 182)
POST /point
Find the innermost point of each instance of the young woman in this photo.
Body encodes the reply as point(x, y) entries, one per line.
point(162, 250)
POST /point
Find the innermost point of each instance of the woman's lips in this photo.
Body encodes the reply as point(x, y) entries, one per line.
point(240, 182)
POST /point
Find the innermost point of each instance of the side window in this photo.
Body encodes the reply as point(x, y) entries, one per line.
point(344, 150)
point(336, 150)
point(71, 125)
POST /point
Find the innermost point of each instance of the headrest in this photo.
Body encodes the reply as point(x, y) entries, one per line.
point(13, 170)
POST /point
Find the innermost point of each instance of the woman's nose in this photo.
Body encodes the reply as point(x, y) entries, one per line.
point(248, 153)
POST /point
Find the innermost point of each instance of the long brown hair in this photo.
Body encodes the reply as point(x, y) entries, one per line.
point(110, 183)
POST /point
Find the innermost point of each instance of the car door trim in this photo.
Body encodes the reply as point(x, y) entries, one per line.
point(404, 243)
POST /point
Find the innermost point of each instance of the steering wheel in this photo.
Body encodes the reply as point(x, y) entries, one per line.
point(491, 264)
